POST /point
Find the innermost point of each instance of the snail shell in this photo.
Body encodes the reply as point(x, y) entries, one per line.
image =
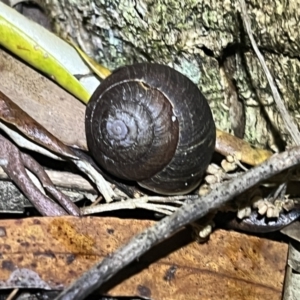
point(151, 124)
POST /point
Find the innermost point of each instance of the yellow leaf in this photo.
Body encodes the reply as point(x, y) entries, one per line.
point(101, 71)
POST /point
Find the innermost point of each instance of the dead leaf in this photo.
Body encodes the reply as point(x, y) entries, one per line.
point(55, 251)
point(12, 114)
point(227, 144)
point(48, 104)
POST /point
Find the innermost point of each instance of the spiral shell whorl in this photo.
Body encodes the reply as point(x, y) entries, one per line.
point(151, 124)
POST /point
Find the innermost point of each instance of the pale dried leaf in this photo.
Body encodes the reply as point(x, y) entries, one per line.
point(12, 114)
point(48, 104)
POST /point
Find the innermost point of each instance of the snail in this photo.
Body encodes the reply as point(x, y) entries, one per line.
point(150, 124)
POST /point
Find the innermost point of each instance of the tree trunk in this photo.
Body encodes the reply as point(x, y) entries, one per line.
point(206, 41)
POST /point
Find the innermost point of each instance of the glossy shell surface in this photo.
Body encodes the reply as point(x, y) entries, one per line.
point(151, 124)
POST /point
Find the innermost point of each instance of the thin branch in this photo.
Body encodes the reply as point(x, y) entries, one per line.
point(142, 202)
point(141, 243)
point(145, 202)
point(64, 179)
point(288, 120)
point(13, 164)
point(39, 172)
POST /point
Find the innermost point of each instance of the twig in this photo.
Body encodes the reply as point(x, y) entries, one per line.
point(39, 172)
point(13, 164)
point(171, 199)
point(142, 202)
point(288, 120)
point(65, 180)
point(163, 209)
point(141, 243)
point(12, 294)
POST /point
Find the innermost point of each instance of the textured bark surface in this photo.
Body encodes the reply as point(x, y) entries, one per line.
point(204, 40)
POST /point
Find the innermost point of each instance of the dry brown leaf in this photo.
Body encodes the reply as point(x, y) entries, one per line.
point(52, 252)
point(227, 144)
point(12, 114)
point(51, 106)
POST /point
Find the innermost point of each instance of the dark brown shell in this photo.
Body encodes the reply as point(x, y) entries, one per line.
point(151, 124)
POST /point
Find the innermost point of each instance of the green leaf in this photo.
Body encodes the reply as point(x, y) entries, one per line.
point(98, 69)
point(27, 40)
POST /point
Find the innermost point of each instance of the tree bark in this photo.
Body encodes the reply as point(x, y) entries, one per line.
point(206, 41)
